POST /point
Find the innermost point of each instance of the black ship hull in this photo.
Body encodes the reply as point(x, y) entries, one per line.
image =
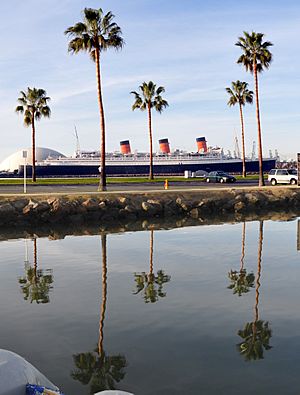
point(178, 169)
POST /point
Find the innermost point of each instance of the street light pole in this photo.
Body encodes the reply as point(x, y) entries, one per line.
point(25, 165)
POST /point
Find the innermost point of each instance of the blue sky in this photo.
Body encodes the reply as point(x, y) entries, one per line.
point(186, 46)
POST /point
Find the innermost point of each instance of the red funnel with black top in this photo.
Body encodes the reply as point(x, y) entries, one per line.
point(164, 146)
point(201, 144)
point(125, 147)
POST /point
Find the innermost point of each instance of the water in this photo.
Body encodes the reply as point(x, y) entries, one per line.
point(179, 333)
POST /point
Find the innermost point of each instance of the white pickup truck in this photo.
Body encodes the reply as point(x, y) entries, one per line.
point(283, 176)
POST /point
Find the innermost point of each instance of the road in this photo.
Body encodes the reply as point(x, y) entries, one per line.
point(42, 189)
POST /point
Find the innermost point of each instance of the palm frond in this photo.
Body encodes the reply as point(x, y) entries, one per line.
point(96, 32)
point(255, 52)
point(34, 103)
point(239, 93)
point(149, 96)
point(19, 109)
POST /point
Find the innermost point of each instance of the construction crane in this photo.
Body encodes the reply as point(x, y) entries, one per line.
point(77, 141)
point(270, 154)
point(237, 153)
point(253, 154)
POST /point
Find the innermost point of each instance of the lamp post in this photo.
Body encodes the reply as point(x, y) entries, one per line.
point(25, 165)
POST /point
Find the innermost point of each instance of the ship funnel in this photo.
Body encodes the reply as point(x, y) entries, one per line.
point(201, 144)
point(125, 147)
point(164, 146)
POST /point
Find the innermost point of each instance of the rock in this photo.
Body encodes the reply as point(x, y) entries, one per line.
point(20, 204)
point(205, 206)
point(102, 205)
point(123, 200)
point(194, 213)
point(38, 207)
point(251, 198)
point(183, 205)
point(112, 213)
point(152, 207)
point(240, 206)
point(154, 201)
point(240, 198)
point(91, 205)
point(130, 209)
point(7, 210)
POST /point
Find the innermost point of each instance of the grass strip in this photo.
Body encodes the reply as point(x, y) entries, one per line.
point(110, 180)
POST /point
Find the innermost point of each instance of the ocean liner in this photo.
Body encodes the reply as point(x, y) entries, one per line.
point(165, 162)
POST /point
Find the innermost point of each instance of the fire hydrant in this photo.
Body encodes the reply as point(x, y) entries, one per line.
point(166, 184)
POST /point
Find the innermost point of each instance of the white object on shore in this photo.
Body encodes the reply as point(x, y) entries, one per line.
point(16, 372)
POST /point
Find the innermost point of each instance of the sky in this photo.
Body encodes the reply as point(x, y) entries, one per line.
point(186, 46)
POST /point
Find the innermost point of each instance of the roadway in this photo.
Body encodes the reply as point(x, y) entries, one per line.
point(122, 187)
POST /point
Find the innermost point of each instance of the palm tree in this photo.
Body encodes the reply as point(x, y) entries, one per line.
point(34, 105)
point(95, 368)
point(150, 97)
point(256, 335)
point(96, 34)
point(36, 285)
point(256, 58)
point(151, 284)
point(241, 282)
point(240, 94)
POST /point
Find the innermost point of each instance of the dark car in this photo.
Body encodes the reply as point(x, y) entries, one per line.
point(219, 176)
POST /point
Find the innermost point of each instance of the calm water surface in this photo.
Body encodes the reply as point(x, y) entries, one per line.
point(198, 310)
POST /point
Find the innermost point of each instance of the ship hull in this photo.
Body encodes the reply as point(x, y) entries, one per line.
point(135, 169)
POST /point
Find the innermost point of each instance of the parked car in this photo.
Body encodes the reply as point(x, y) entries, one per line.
point(283, 176)
point(200, 174)
point(219, 176)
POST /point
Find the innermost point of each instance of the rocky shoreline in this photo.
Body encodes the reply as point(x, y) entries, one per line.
point(107, 209)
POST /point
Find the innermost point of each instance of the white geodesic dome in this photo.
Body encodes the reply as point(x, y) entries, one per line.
point(12, 162)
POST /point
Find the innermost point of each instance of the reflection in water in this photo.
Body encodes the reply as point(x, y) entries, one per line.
point(241, 282)
point(37, 283)
point(97, 369)
point(151, 284)
point(256, 335)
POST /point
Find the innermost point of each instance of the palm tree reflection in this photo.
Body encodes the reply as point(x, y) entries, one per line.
point(150, 283)
point(241, 282)
point(256, 335)
point(37, 283)
point(96, 368)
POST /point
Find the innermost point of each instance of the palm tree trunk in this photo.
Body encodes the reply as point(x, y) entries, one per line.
point(243, 247)
point(260, 243)
point(243, 141)
point(150, 276)
point(151, 251)
point(102, 184)
point(35, 259)
point(261, 173)
point(150, 142)
point(33, 149)
point(104, 294)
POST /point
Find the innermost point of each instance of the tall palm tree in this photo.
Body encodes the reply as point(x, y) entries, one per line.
point(240, 94)
point(34, 105)
point(151, 284)
point(241, 282)
point(94, 35)
point(37, 283)
point(256, 57)
point(256, 335)
point(148, 98)
point(97, 369)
